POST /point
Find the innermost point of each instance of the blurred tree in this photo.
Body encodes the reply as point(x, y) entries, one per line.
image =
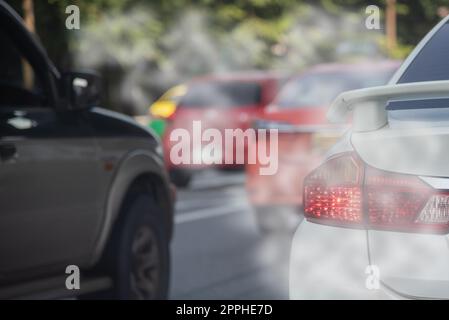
point(154, 44)
point(49, 24)
point(415, 18)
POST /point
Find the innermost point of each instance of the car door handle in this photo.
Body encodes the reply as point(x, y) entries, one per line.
point(8, 151)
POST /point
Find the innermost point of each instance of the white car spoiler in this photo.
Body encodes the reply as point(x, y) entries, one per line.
point(368, 105)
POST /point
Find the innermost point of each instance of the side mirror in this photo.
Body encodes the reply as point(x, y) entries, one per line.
point(368, 105)
point(81, 89)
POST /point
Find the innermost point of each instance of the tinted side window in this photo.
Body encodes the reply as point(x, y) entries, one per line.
point(432, 63)
point(19, 85)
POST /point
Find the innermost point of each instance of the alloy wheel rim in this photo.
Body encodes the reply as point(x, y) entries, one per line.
point(145, 264)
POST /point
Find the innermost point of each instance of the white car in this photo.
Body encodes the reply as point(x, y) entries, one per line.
point(377, 210)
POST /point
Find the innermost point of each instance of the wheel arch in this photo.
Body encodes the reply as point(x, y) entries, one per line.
point(138, 169)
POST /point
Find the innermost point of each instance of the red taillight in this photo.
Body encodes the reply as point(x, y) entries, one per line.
point(393, 199)
point(344, 191)
point(333, 191)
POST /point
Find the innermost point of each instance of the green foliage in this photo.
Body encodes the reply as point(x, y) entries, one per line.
point(415, 18)
point(268, 16)
point(172, 40)
point(268, 19)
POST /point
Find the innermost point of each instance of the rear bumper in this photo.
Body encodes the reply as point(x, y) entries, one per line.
point(329, 263)
point(412, 265)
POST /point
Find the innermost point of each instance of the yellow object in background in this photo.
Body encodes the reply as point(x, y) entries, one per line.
point(165, 106)
point(163, 109)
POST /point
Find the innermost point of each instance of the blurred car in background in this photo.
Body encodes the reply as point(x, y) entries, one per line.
point(227, 101)
point(164, 107)
point(299, 114)
point(377, 210)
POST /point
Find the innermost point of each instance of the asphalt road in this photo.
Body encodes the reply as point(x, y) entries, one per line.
point(218, 251)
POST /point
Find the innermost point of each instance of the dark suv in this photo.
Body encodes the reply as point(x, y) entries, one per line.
point(79, 185)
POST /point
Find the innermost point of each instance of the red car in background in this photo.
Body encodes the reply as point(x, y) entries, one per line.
point(304, 135)
point(227, 101)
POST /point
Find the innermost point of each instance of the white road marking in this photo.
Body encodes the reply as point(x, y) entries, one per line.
point(208, 213)
point(205, 182)
point(191, 205)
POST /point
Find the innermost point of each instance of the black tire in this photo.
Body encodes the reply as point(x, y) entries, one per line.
point(125, 261)
point(143, 253)
point(181, 178)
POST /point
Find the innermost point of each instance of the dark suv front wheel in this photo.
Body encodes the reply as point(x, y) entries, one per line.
point(137, 256)
point(142, 254)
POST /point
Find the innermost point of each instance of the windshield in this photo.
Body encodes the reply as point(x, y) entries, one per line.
point(222, 94)
point(320, 89)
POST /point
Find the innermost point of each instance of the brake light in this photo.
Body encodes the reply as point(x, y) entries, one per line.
point(333, 192)
point(345, 191)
